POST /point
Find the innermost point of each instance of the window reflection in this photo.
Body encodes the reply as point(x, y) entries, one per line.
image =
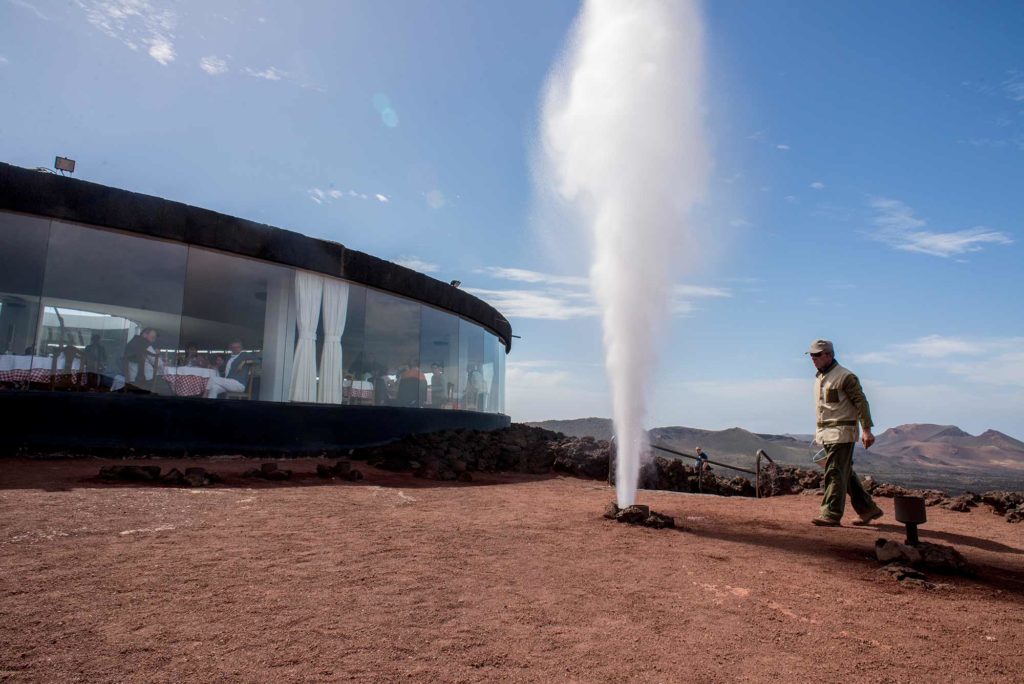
point(489, 370)
point(359, 372)
point(472, 385)
point(234, 328)
point(392, 350)
point(85, 308)
point(502, 355)
point(22, 261)
point(439, 357)
point(112, 305)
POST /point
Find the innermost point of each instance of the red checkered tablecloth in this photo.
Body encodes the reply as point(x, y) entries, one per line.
point(187, 385)
point(38, 375)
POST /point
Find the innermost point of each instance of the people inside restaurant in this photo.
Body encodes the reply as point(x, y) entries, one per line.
point(191, 357)
point(141, 360)
point(475, 395)
point(95, 355)
point(412, 385)
point(438, 394)
point(236, 373)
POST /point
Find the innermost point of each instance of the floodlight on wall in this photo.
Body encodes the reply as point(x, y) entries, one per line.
point(455, 283)
point(63, 164)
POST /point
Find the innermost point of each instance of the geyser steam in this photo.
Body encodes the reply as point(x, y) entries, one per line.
point(622, 141)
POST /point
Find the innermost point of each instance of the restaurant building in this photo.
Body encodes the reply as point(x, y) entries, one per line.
point(133, 322)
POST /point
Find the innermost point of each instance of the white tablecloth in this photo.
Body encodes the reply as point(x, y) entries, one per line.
point(190, 370)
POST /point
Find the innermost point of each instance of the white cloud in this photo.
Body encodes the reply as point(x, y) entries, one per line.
point(321, 196)
point(268, 74)
point(213, 65)
point(536, 304)
point(4, 61)
point(985, 360)
point(740, 223)
point(417, 264)
point(135, 23)
point(24, 4)
point(697, 291)
point(524, 276)
point(564, 297)
point(792, 199)
point(897, 226)
point(939, 347)
point(818, 185)
point(783, 147)
point(1013, 86)
point(161, 50)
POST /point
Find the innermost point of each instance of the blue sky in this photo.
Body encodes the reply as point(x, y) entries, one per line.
point(868, 183)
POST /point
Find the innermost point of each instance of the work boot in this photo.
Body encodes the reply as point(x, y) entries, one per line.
point(867, 518)
point(825, 522)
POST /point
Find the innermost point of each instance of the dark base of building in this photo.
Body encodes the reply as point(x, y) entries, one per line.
point(49, 423)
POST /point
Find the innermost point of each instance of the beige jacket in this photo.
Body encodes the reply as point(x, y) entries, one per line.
point(839, 404)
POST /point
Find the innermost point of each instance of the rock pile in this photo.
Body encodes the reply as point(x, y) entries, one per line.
point(582, 457)
point(639, 515)
point(1007, 504)
point(673, 475)
point(780, 480)
point(925, 556)
point(268, 471)
point(342, 469)
point(192, 477)
point(455, 454)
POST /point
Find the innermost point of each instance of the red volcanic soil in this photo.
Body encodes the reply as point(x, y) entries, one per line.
point(513, 578)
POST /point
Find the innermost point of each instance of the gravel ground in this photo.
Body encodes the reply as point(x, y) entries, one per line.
point(509, 578)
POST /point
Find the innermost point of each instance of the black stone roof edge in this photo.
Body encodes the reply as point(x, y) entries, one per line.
point(59, 197)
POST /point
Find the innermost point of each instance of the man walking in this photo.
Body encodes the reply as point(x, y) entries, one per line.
point(840, 403)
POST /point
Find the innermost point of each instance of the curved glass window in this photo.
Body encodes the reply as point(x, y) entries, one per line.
point(234, 328)
point(90, 309)
point(473, 386)
point(392, 346)
point(113, 300)
point(439, 357)
point(22, 263)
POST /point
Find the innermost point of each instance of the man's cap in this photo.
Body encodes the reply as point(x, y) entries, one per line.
point(818, 346)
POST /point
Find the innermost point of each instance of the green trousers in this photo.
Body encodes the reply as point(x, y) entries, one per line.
point(840, 480)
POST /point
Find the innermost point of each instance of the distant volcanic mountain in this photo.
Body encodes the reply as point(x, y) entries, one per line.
point(948, 446)
point(920, 453)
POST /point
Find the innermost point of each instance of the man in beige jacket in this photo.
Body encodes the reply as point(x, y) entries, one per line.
point(839, 405)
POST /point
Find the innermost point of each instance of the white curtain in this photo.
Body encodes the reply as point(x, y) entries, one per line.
point(309, 290)
point(335, 311)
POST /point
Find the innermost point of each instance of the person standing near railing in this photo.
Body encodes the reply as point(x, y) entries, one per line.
point(701, 462)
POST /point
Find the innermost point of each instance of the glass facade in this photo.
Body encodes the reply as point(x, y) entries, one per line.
point(91, 309)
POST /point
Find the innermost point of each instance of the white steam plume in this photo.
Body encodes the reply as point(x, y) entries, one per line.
point(623, 141)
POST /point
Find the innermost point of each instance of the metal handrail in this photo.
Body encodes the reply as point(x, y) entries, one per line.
point(757, 479)
point(723, 465)
point(756, 473)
